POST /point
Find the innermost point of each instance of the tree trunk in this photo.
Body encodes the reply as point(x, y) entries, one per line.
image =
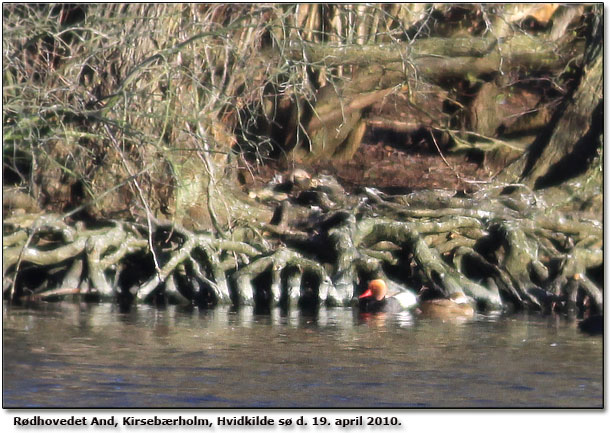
point(573, 136)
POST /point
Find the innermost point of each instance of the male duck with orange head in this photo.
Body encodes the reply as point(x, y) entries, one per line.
point(375, 299)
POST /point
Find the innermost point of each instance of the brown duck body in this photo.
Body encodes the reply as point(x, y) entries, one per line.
point(457, 306)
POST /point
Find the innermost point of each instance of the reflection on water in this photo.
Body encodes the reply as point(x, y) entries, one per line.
point(71, 355)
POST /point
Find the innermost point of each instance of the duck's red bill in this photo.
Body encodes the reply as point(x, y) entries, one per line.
point(366, 294)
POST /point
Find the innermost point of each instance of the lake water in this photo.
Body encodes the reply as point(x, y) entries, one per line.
point(83, 355)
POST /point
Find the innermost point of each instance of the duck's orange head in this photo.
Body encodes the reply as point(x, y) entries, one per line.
point(376, 289)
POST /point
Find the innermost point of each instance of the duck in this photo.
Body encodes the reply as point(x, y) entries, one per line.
point(458, 305)
point(375, 299)
point(593, 325)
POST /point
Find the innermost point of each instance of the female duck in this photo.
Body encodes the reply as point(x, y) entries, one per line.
point(458, 305)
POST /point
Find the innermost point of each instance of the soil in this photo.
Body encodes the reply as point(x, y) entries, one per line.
point(395, 164)
point(397, 170)
point(398, 153)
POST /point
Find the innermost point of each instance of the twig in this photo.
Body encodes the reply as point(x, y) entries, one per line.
point(140, 193)
point(457, 175)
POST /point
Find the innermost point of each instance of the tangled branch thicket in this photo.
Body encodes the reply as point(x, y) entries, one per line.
point(129, 125)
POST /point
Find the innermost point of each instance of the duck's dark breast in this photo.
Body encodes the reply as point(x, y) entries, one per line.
point(372, 305)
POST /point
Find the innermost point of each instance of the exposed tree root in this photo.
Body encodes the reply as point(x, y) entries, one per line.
point(503, 251)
